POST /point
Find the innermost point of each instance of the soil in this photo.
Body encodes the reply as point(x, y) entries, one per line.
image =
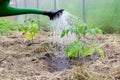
point(45, 60)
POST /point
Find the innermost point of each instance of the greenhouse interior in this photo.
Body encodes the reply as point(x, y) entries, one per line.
point(59, 39)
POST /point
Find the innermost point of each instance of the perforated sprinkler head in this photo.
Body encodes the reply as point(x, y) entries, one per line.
point(54, 14)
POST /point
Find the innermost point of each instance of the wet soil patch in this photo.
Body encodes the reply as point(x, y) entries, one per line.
point(56, 63)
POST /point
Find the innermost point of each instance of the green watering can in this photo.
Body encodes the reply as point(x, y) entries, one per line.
point(7, 10)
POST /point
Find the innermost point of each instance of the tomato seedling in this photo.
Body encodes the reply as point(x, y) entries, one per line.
point(78, 48)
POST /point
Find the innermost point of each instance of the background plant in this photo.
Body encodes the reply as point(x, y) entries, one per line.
point(78, 47)
point(6, 26)
point(30, 28)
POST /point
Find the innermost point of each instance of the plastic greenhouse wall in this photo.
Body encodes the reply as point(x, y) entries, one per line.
point(38, 4)
point(103, 13)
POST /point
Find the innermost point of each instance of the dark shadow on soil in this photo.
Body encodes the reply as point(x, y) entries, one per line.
point(56, 63)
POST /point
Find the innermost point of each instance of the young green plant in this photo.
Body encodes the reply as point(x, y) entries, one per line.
point(31, 29)
point(78, 48)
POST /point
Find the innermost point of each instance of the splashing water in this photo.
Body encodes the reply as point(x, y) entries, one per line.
point(61, 23)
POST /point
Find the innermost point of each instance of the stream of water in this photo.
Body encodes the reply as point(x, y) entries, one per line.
point(65, 21)
point(61, 23)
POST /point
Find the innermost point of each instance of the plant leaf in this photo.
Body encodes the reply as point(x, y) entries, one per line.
point(63, 34)
point(99, 31)
point(93, 31)
point(101, 52)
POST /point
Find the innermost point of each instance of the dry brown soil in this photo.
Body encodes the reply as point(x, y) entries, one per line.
point(44, 60)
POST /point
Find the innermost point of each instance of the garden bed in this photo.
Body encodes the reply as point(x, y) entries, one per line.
point(45, 60)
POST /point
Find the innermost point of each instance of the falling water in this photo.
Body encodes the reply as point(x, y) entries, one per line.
point(61, 23)
point(65, 21)
point(57, 26)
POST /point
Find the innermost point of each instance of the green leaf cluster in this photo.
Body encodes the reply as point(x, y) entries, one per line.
point(81, 30)
point(78, 47)
point(6, 26)
point(31, 29)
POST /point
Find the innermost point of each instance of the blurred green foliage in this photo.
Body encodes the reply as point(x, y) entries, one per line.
point(104, 13)
point(6, 26)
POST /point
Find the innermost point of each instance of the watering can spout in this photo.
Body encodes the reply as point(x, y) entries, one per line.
point(54, 14)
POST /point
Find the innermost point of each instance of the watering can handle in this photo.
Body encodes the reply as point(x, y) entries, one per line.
point(7, 10)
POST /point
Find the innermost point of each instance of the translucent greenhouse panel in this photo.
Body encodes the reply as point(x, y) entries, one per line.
point(45, 5)
point(96, 9)
point(72, 6)
point(12, 3)
point(104, 13)
point(20, 4)
point(31, 4)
